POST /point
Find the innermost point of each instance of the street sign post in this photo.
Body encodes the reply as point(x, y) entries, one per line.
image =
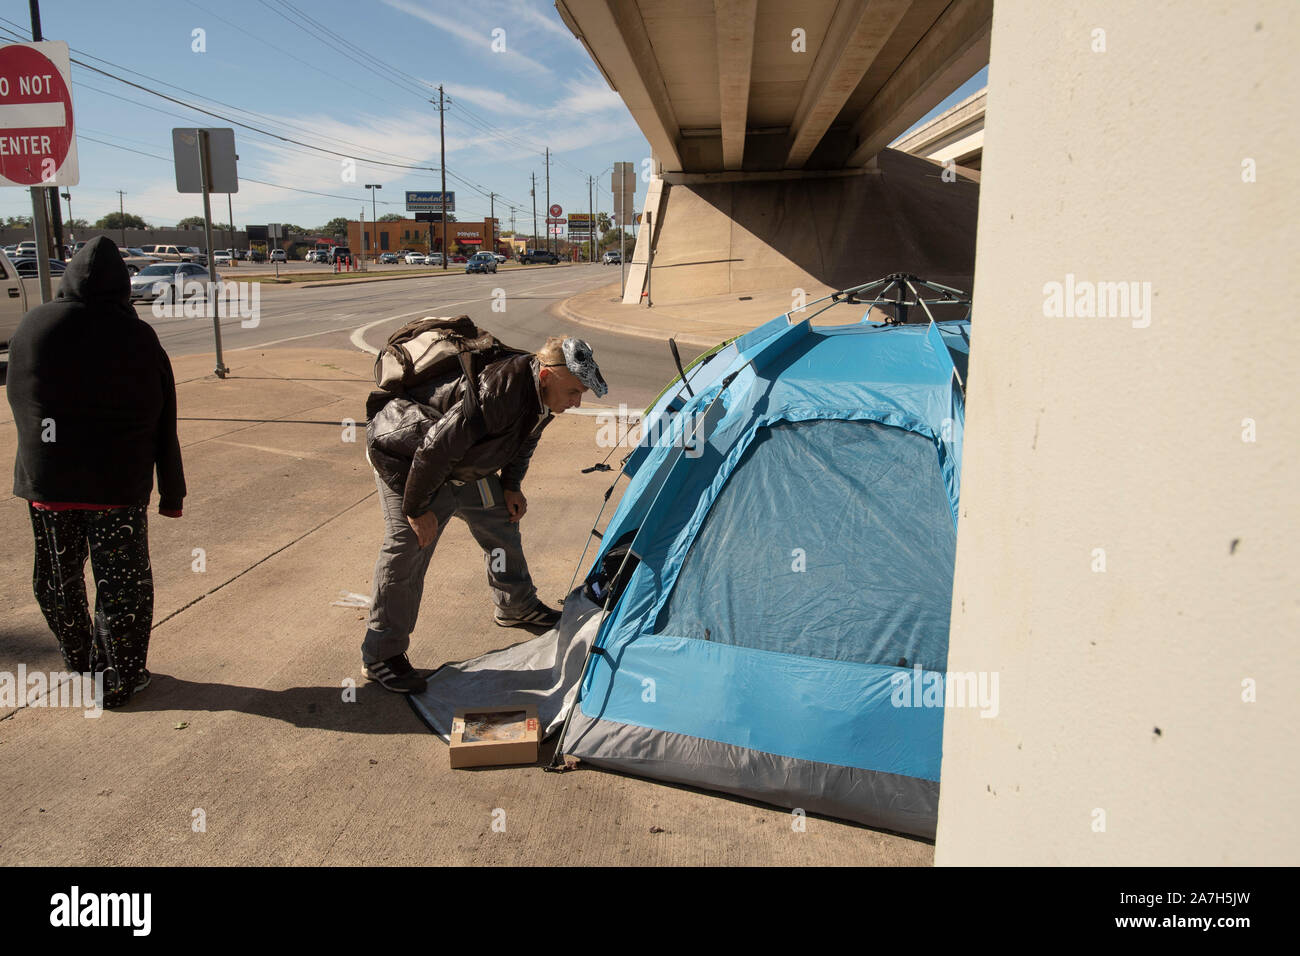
point(211, 154)
point(38, 143)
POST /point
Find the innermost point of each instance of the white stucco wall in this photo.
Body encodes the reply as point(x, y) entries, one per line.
point(1098, 433)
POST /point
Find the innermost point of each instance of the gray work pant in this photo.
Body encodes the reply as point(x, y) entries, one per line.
point(399, 572)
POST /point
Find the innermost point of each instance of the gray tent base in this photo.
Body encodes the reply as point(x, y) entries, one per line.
point(883, 800)
point(545, 672)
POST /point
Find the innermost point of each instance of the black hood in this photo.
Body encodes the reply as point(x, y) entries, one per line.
point(97, 275)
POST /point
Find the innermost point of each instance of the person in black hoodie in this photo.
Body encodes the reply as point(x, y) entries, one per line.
point(94, 403)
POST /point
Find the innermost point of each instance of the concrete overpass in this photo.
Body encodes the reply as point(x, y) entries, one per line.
point(774, 113)
point(750, 85)
point(955, 136)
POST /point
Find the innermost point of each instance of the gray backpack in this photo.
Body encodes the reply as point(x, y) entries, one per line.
point(431, 348)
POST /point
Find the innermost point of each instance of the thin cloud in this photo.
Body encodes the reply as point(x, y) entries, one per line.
point(475, 38)
point(493, 100)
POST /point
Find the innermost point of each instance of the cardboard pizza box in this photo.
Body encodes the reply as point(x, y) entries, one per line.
point(494, 736)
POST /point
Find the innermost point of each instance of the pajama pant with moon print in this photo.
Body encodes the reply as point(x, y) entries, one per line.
point(117, 542)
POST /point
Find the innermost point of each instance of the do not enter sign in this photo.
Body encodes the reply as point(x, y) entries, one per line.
point(38, 145)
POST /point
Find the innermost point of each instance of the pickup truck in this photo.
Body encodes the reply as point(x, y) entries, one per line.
point(13, 300)
point(168, 253)
point(538, 255)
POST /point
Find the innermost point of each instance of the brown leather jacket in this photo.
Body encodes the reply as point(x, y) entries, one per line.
point(419, 442)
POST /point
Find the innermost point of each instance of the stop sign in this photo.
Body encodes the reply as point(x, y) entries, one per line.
point(37, 138)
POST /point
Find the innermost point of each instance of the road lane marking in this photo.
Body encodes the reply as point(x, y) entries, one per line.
point(292, 338)
point(359, 336)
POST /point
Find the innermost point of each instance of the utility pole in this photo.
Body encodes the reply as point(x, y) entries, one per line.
point(121, 210)
point(40, 201)
point(48, 195)
point(533, 192)
point(591, 224)
point(374, 219)
point(442, 145)
point(548, 200)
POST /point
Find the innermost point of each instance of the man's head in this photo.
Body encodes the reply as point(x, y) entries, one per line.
point(567, 370)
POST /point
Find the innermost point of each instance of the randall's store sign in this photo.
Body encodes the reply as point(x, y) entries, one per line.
point(469, 238)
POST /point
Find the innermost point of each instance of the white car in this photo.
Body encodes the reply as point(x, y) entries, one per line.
point(414, 259)
point(500, 258)
point(433, 259)
point(277, 255)
point(221, 257)
point(164, 279)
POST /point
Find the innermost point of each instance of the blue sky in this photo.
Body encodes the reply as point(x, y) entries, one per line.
point(307, 71)
point(310, 78)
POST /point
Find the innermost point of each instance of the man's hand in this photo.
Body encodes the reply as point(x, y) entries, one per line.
point(425, 527)
point(516, 504)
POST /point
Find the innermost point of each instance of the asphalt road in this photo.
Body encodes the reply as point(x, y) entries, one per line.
point(352, 316)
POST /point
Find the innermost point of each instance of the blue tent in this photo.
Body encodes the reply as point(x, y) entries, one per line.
point(793, 533)
point(786, 542)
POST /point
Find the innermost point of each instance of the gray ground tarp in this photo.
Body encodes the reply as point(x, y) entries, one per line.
point(543, 672)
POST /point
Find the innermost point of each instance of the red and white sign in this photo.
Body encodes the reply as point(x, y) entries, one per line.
point(38, 144)
point(556, 210)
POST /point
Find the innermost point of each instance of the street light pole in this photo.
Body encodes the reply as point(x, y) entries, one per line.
point(373, 216)
point(72, 239)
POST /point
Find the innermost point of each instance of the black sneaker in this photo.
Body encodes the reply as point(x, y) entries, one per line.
point(112, 700)
point(539, 616)
point(396, 674)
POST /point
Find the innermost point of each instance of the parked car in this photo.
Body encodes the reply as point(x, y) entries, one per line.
point(539, 255)
point(612, 258)
point(501, 260)
point(159, 280)
point(255, 255)
point(278, 255)
point(433, 259)
point(415, 258)
point(222, 257)
point(135, 259)
point(27, 267)
point(481, 262)
point(337, 254)
point(457, 257)
point(388, 259)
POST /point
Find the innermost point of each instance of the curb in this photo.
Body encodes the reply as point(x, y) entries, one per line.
point(564, 311)
point(330, 283)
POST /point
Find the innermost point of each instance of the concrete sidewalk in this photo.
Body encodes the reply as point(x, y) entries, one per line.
point(246, 748)
point(702, 322)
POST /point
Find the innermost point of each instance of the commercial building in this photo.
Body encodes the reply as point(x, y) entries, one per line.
point(373, 238)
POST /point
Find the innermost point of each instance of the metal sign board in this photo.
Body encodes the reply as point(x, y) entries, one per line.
point(429, 201)
point(623, 186)
point(38, 143)
point(223, 176)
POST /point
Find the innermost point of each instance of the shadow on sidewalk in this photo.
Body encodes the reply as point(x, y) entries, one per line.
point(374, 711)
